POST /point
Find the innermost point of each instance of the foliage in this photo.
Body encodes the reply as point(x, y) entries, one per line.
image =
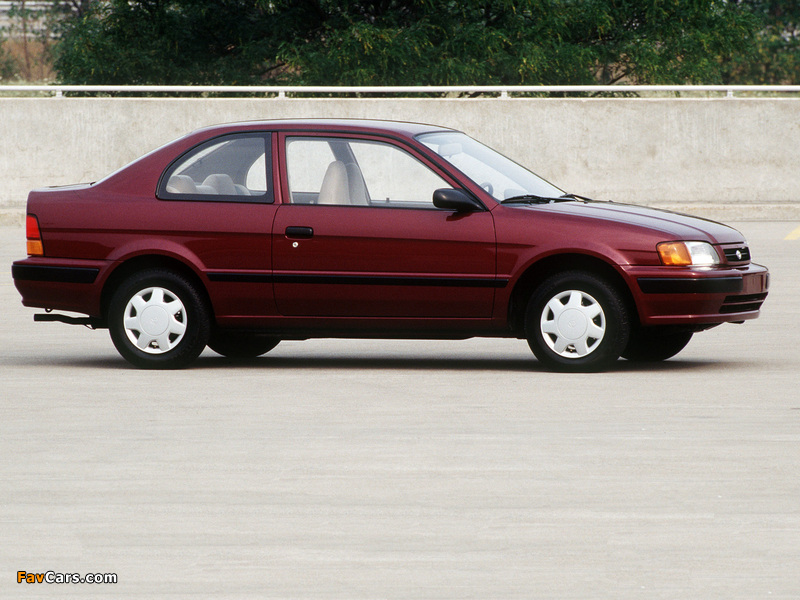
point(522, 42)
point(167, 42)
point(775, 58)
point(31, 35)
point(418, 42)
point(7, 67)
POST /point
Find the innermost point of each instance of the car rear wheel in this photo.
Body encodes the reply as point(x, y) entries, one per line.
point(653, 345)
point(577, 322)
point(158, 320)
point(241, 345)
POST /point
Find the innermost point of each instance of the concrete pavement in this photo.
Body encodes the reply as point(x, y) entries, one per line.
point(402, 469)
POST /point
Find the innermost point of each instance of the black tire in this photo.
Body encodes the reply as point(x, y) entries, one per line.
point(577, 322)
point(231, 344)
point(654, 344)
point(154, 309)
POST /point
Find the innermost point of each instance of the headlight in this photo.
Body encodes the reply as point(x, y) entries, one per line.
point(687, 254)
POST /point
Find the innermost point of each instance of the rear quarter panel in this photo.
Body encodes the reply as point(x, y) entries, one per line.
point(101, 225)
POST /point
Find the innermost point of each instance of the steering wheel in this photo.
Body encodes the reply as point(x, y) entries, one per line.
point(488, 187)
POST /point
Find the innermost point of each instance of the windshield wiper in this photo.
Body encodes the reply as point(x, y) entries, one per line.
point(575, 197)
point(528, 199)
point(534, 199)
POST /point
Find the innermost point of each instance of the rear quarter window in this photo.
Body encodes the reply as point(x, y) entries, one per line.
point(231, 168)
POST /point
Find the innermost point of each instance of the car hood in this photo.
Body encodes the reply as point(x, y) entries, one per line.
point(673, 225)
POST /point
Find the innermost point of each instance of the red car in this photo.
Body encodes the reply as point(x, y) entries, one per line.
point(241, 235)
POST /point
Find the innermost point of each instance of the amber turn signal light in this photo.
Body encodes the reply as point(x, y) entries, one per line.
point(674, 254)
point(34, 237)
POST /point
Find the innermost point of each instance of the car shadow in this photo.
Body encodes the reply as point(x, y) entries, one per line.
point(626, 366)
point(433, 364)
point(375, 363)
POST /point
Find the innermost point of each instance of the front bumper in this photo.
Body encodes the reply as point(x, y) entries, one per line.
point(692, 296)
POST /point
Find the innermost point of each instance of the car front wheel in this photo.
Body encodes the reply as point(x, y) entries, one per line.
point(577, 322)
point(158, 320)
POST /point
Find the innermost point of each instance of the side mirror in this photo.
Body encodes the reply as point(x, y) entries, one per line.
point(457, 200)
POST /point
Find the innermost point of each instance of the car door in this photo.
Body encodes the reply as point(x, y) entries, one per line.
point(357, 235)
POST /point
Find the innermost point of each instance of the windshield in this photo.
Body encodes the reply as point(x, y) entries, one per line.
point(498, 175)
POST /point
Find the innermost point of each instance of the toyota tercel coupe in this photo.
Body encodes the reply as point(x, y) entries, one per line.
point(238, 236)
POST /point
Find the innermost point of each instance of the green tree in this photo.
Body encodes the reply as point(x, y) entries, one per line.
point(169, 42)
point(528, 42)
point(7, 67)
point(405, 42)
point(775, 55)
point(30, 35)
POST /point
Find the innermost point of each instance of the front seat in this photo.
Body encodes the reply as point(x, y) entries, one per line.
point(334, 189)
point(358, 187)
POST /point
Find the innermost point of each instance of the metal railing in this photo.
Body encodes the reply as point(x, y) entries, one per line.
point(500, 91)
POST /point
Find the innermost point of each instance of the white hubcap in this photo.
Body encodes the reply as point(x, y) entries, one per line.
point(573, 324)
point(155, 320)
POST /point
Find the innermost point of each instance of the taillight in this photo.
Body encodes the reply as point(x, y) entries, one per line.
point(35, 247)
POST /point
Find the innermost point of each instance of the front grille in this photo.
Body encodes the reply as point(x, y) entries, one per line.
point(738, 254)
point(743, 303)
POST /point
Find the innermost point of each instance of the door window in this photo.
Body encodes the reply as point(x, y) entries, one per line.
point(339, 171)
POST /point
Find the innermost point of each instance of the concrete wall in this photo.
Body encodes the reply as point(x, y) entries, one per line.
point(695, 154)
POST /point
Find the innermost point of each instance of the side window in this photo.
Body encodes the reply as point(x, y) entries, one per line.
point(307, 161)
point(235, 168)
point(358, 173)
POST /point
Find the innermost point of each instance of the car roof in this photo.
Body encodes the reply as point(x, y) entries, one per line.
point(397, 128)
point(167, 152)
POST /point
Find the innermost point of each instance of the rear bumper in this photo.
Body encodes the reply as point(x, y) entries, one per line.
point(71, 285)
point(667, 296)
point(26, 272)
